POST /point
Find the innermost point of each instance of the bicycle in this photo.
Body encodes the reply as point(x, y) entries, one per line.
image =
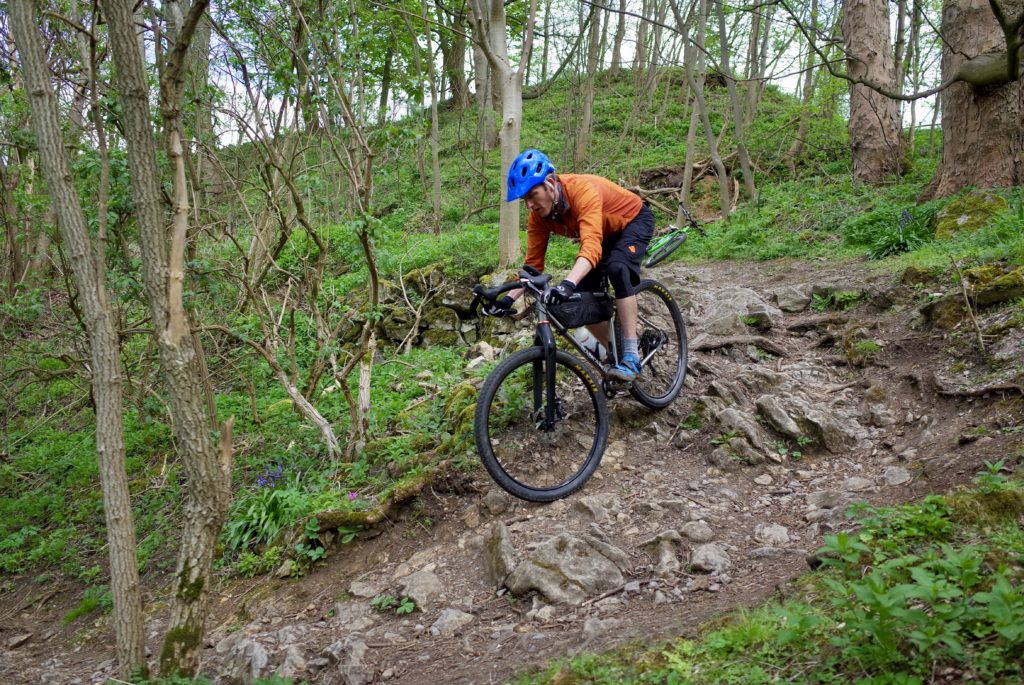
point(667, 243)
point(541, 423)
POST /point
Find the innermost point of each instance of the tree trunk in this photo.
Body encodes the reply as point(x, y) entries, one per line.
point(453, 52)
point(207, 472)
point(700, 104)
point(11, 217)
point(794, 151)
point(737, 108)
point(620, 35)
point(385, 84)
point(486, 131)
point(103, 342)
point(492, 41)
point(982, 136)
point(900, 46)
point(587, 115)
point(547, 42)
point(640, 56)
point(435, 135)
point(659, 10)
point(913, 70)
point(876, 138)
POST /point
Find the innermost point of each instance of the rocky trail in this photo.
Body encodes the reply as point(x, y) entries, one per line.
point(791, 413)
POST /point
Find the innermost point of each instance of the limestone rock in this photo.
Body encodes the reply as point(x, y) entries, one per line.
point(365, 589)
point(771, 534)
point(697, 531)
point(825, 499)
point(482, 349)
point(793, 298)
point(594, 626)
point(499, 555)
point(349, 650)
point(597, 508)
point(663, 549)
point(857, 484)
point(294, 662)
point(246, 662)
point(968, 212)
point(450, 621)
point(946, 312)
point(566, 569)
point(422, 587)
point(710, 558)
point(896, 475)
point(496, 501)
point(354, 616)
point(734, 308)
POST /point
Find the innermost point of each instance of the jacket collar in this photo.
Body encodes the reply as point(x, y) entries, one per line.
point(561, 209)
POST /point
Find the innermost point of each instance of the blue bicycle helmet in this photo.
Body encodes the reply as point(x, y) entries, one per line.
point(529, 169)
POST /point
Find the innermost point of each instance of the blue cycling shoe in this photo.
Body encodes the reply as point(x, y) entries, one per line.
point(626, 370)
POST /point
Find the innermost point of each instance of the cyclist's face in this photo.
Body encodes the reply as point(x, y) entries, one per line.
point(540, 199)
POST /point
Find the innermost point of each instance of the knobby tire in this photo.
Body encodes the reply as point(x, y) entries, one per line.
point(529, 462)
point(661, 253)
point(660, 324)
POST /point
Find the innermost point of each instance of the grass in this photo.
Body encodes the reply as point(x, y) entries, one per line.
point(924, 588)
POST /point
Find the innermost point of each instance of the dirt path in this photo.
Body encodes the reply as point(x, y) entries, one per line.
point(764, 508)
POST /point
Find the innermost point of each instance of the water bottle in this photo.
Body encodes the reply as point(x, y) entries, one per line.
point(587, 340)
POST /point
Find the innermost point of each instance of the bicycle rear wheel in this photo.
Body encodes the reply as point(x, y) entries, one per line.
point(661, 252)
point(661, 337)
point(526, 458)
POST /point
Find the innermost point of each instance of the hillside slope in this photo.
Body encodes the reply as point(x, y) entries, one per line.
point(907, 422)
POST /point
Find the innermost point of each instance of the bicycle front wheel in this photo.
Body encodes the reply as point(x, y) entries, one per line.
point(526, 454)
point(661, 337)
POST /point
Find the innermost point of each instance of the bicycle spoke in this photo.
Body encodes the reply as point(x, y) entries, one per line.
point(527, 447)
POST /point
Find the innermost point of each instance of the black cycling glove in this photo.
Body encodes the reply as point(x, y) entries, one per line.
point(500, 307)
point(560, 293)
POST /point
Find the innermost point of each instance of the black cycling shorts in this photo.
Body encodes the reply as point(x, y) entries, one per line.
point(621, 257)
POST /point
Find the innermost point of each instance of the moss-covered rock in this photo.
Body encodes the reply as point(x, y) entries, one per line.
point(424, 280)
point(396, 324)
point(858, 346)
point(991, 284)
point(440, 318)
point(969, 212)
point(916, 275)
point(945, 312)
point(435, 337)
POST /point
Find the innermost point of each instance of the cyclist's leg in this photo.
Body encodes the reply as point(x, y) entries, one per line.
point(623, 261)
point(594, 282)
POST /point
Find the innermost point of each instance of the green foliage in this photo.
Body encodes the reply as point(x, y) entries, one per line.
point(96, 597)
point(837, 299)
point(258, 517)
point(399, 605)
point(891, 229)
point(310, 550)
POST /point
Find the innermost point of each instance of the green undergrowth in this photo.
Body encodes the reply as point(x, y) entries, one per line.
point(933, 587)
point(51, 511)
point(836, 219)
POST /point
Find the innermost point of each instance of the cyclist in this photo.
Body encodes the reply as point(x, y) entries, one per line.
point(613, 227)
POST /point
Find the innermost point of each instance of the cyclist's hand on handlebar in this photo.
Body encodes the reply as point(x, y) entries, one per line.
point(560, 293)
point(500, 307)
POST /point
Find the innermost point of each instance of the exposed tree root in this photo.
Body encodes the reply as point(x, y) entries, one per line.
point(704, 342)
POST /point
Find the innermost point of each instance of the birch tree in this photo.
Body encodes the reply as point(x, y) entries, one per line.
point(490, 34)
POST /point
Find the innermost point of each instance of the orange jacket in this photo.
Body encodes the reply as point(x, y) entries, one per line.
point(598, 208)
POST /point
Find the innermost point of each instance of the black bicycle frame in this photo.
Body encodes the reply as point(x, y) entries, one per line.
point(544, 370)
